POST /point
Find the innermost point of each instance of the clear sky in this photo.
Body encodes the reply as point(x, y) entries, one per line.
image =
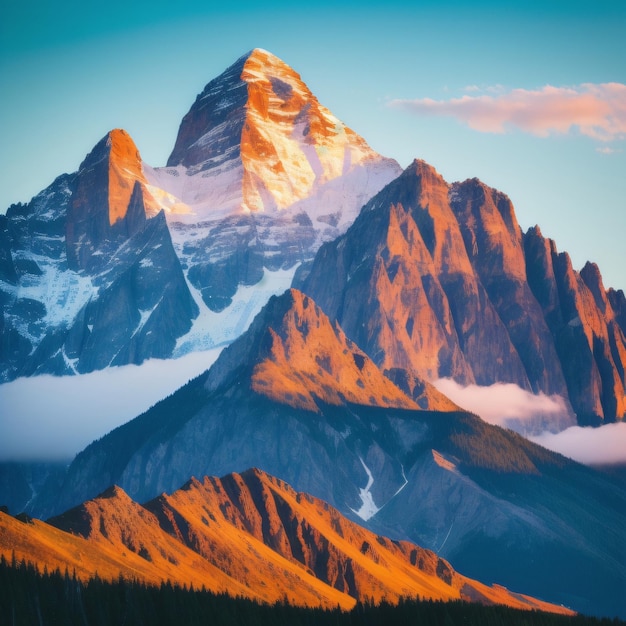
point(528, 96)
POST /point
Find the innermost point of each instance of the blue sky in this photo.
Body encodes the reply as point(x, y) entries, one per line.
point(70, 71)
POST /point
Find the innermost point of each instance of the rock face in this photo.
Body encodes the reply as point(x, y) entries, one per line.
point(97, 281)
point(299, 358)
point(266, 143)
point(109, 203)
point(438, 280)
point(297, 399)
point(586, 330)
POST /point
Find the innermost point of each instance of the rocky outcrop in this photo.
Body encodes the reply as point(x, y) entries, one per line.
point(438, 280)
point(587, 336)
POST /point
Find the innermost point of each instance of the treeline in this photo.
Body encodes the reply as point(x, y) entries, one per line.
point(29, 597)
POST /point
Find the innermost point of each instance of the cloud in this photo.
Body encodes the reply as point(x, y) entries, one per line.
point(509, 406)
point(607, 150)
point(539, 417)
point(53, 418)
point(605, 445)
point(595, 110)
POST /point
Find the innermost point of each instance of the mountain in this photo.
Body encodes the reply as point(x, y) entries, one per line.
point(297, 399)
point(260, 175)
point(121, 262)
point(95, 281)
point(450, 287)
point(248, 535)
point(260, 125)
point(289, 374)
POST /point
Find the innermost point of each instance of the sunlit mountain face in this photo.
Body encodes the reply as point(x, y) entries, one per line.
point(341, 292)
point(247, 535)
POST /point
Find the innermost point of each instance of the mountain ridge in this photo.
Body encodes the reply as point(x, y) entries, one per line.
point(249, 535)
point(451, 288)
point(75, 231)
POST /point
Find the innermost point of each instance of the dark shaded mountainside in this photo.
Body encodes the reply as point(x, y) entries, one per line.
point(91, 278)
point(439, 280)
point(248, 535)
point(497, 506)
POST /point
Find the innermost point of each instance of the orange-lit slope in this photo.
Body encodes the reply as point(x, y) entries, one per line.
point(290, 143)
point(311, 358)
point(122, 529)
point(48, 546)
point(125, 169)
point(248, 535)
point(257, 139)
point(307, 531)
point(110, 200)
point(107, 178)
point(232, 563)
point(299, 357)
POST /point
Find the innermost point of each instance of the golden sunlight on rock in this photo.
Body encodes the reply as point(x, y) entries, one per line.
point(125, 170)
point(310, 359)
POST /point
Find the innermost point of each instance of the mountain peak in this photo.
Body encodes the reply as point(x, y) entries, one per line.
point(111, 197)
point(263, 57)
point(300, 358)
point(266, 142)
point(117, 157)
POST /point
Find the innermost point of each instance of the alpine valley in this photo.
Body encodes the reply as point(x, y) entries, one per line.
point(341, 288)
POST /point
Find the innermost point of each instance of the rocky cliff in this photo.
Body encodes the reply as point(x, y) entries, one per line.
point(97, 281)
point(438, 280)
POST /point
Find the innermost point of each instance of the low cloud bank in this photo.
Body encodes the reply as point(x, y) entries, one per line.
point(595, 110)
point(605, 445)
point(50, 418)
point(542, 419)
point(509, 406)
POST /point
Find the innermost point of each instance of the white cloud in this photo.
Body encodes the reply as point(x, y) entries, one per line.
point(595, 110)
point(607, 150)
point(605, 445)
point(542, 419)
point(509, 406)
point(48, 417)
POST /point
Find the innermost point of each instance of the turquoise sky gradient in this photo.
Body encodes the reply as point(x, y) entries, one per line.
point(70, 71)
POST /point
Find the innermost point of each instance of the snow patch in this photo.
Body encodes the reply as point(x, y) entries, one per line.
point(368, 507)
point(211, 329)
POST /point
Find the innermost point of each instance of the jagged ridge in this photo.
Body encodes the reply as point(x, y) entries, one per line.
point(248, 535)
point(449, 286)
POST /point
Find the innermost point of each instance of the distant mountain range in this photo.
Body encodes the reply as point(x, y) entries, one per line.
point(120, 262)
point(397, 278)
